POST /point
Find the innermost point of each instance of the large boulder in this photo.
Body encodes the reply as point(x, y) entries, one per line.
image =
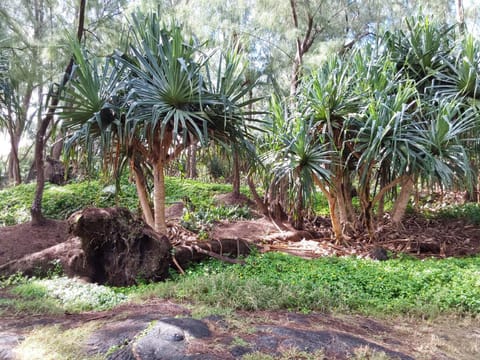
point(118, 248)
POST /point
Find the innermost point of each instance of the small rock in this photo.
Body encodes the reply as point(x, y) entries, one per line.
point(378, 253)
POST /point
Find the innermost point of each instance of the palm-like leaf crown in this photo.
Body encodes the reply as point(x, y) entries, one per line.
point(157, 97)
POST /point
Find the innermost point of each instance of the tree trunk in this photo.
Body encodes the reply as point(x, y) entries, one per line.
point(294, 77)
point(236, 173)
point(297, 222)
point(159, 197)
point(302, 45)
point(401, 202)
point(336, 224)
point(460, 16)
point(141, 185)
point(260, 203)
point(14, 174)
point(192, 161)
point(381, 208)
point(36, 209)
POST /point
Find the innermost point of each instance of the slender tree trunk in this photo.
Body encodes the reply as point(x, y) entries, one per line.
point(302, 45)
point(381, 208)
point(141, 186)
point(294, 77)
point(36, 209)
point(332, 206)
point(298, 220)
point(336, 224)
point(14, 174)
point(159, 197)
point(460, 16)
point(236, 173)
point(192, 161)
point(401, 202)
point(258, 200)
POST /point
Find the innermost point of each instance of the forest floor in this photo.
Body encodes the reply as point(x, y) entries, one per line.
point(336, 336)
point(418, 237)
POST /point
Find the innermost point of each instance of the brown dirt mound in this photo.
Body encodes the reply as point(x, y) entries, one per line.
point(23, 239)
point(231, 199)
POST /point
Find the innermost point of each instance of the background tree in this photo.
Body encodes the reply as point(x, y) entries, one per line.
point(36, 209)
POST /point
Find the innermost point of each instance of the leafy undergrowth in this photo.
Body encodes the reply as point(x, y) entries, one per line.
point(59, 202)
point(273, 281)
point(56, 295)
point(468, 211)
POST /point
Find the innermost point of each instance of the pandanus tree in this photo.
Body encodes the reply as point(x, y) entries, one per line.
point(408, 130)
point(300, 162)
point(389, 114)
point(160, 97)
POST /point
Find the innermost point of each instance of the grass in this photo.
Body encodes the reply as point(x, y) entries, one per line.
point(289, 354)
point(54, 342)
point(276, 281)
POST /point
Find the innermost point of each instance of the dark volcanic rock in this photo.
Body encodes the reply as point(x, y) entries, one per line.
point(168, 339)
point(334, 344)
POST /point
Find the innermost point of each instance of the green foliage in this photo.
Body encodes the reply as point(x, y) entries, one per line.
point(320, 204)
point(60, 294)
point(16, 202)
point(75, 296)
point(15, 279)
point(61, 201)
point(469, 212)
point(203, 219)
point(277, 281)
point(200, 194)
point(29, 290)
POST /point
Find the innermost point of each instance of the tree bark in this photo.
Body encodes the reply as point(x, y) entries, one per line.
point(298, 221)
point(260, 203)
point(159, 197)
point(14, 174)
point(302, 45)
point(192, 161)
point(36, 209)
point(401, 202)
point(460, 16)
point(332, 206)
point(336, 224)
point(141, 185)
point(236, 173)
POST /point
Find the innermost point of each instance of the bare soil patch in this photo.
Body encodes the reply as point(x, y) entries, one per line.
point(23, 239)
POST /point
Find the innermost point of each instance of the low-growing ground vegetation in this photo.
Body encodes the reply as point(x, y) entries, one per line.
point(403, 288)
